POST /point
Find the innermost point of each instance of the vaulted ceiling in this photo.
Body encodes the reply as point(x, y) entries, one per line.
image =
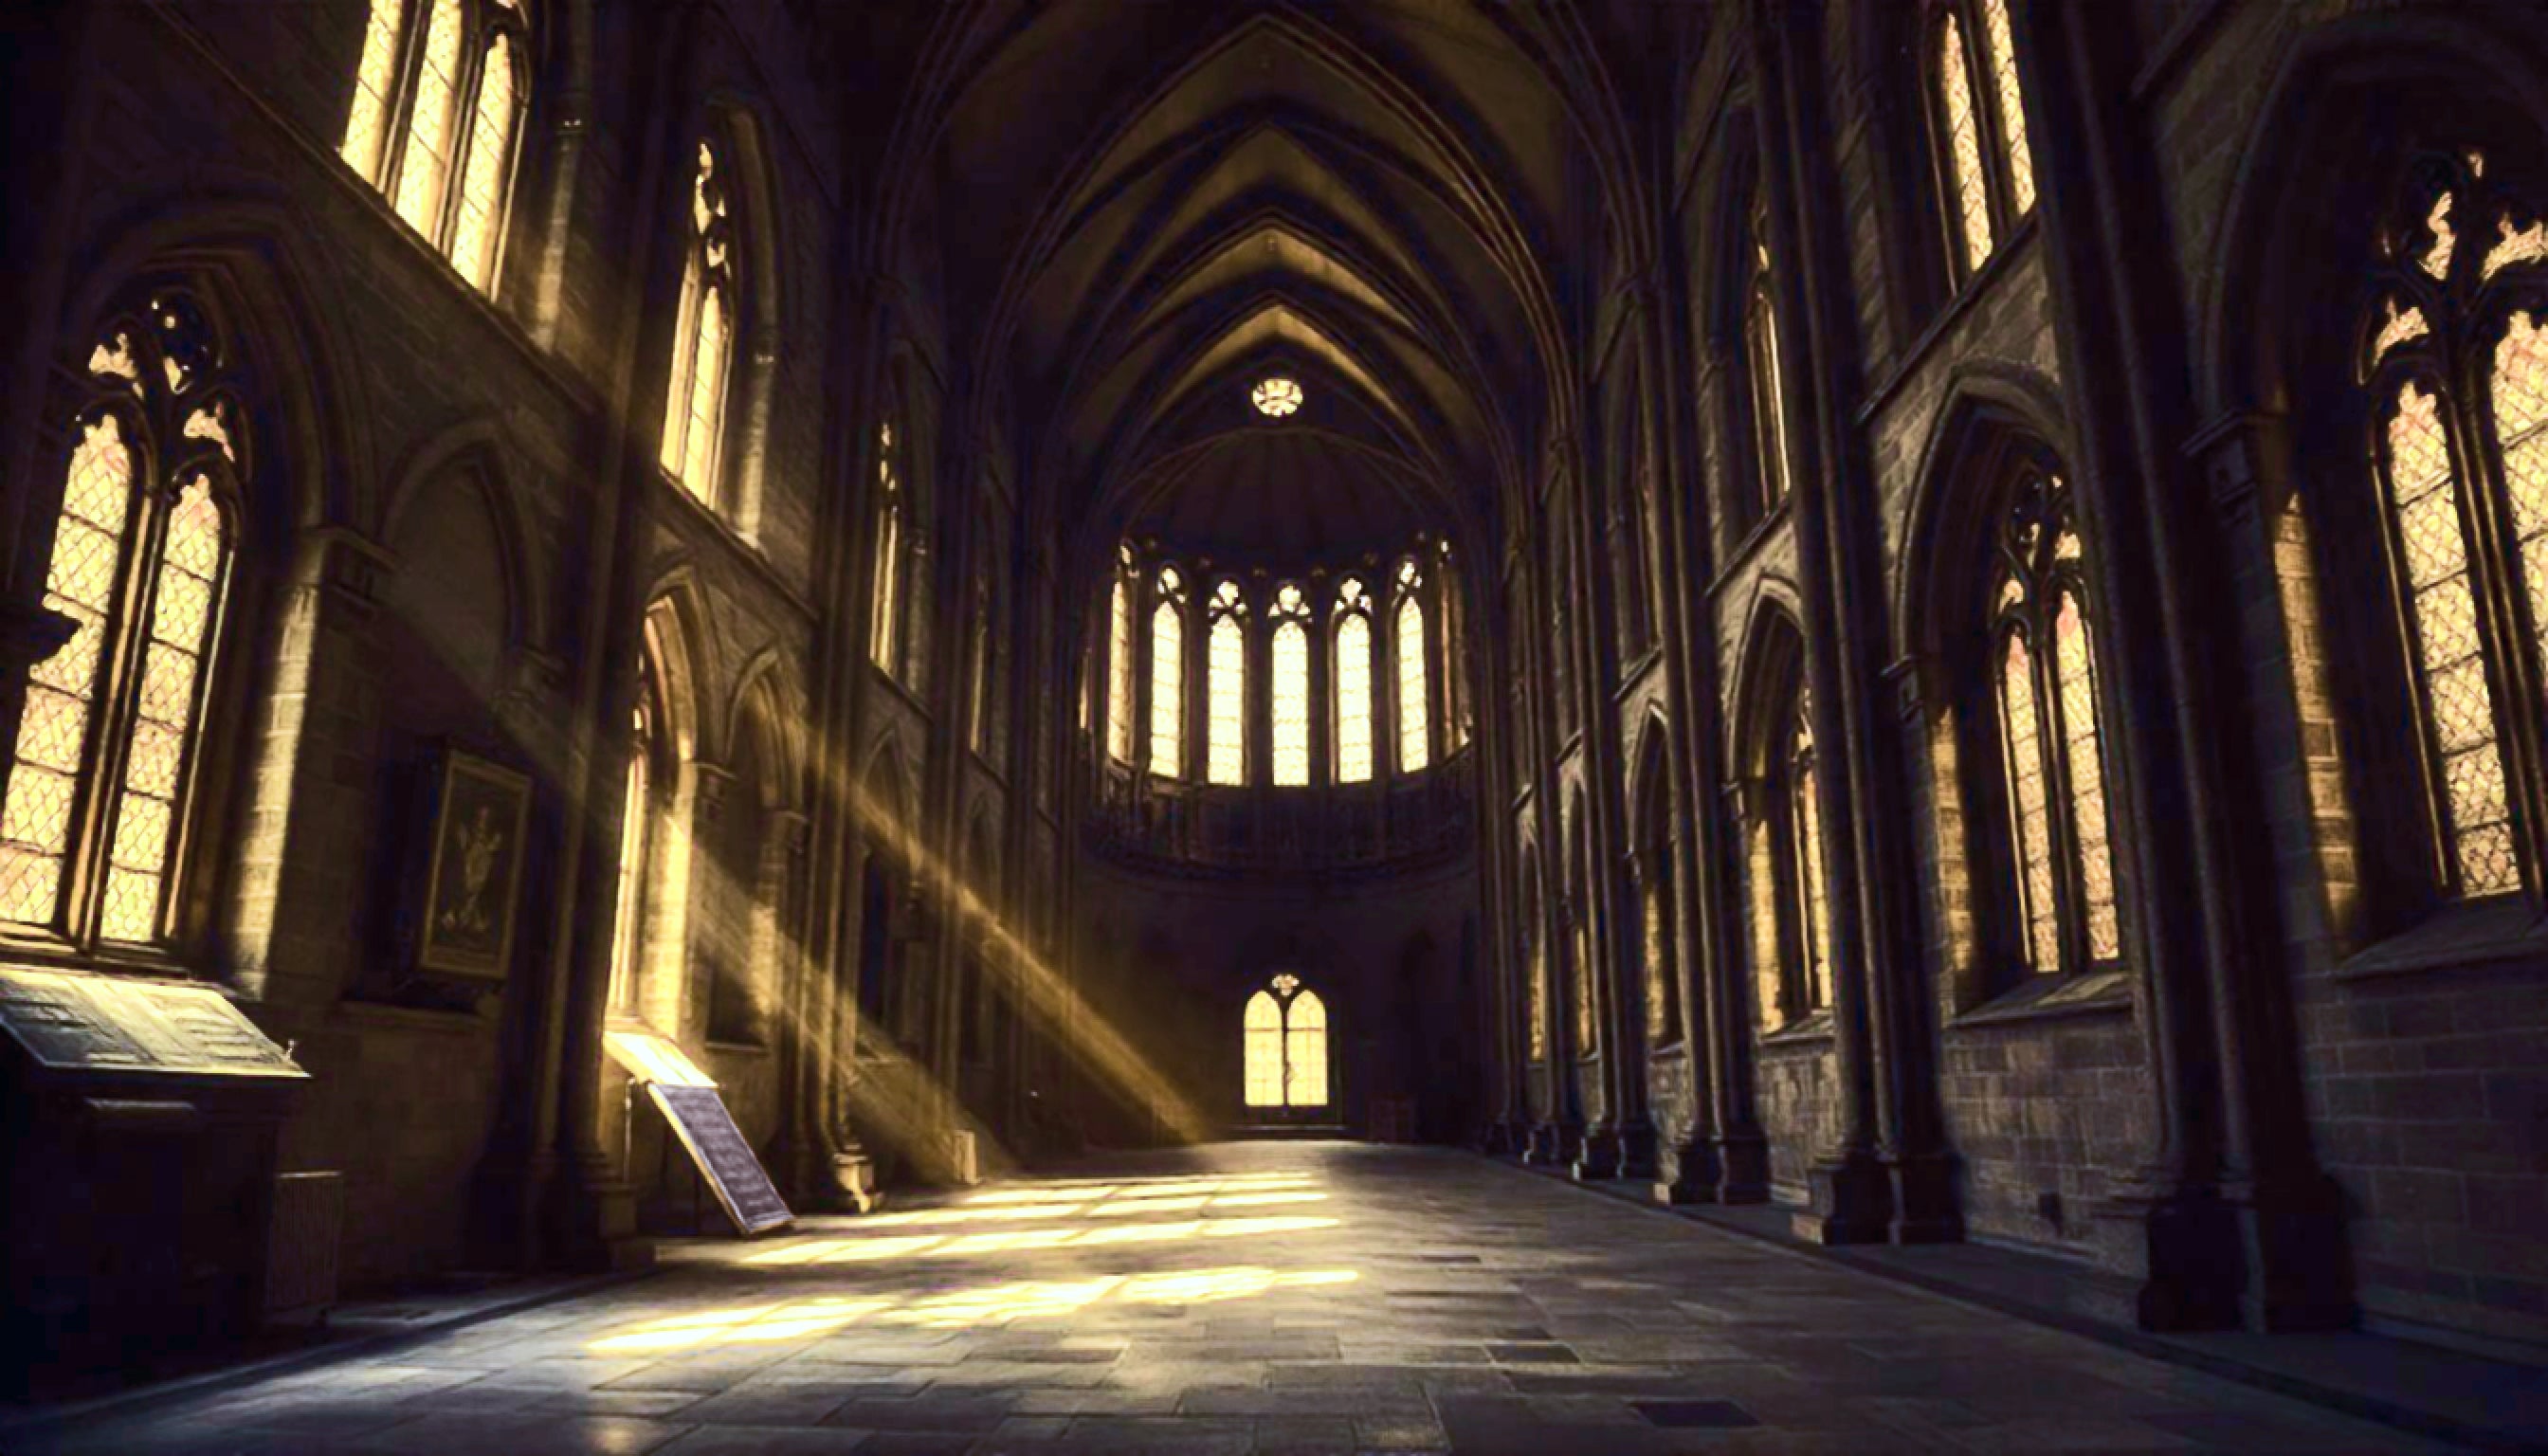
point(1147, 207)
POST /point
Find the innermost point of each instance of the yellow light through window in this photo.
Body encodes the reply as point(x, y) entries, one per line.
point(1276, 397)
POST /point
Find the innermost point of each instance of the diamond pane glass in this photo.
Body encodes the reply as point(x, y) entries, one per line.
point(1226, 761)
point(1291, 705)
point(2074, 659)
point(52, 725)
point(1657, 969)
point(1538, 990)
point(1964, 146)
point(1353, 699)
point(2012, 104)
point(2024, 751)
point(1768, 410)
point(181, 623)
point(426, 163)
point(1167, 691)
point(2459, 709)
point(368, 122)
point(2511, 247)
point(1414, 741)
point(482, 181)
point(2521, 425)
point(1118, 674)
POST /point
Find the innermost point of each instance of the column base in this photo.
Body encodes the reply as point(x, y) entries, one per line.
point(1690, 1173)
point(1554, 1143)
point(2294, 1239)
point(2180, 1253)
point(1600, 1156)
point(1851, 1201)
point(1637, 1151)
point(1741, 1167)
point(1926, 1206)
point(591, 1221)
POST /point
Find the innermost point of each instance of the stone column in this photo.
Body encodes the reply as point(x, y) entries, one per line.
point(1742, 1152)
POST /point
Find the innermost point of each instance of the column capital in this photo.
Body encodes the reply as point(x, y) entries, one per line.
point(2244, 456)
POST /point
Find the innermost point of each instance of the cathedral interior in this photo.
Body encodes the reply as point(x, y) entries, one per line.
point(1273, 725)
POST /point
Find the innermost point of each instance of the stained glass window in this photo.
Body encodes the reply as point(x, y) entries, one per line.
point(1264, 1036)
point(885, 630)
point(437, 101)
point(1761, 355)
point(1537, 989)
point(1662, 1008)
point(635, 825)
point(1812, 991)
point(1353, 684)
point(1119, 662)
point(2012, 106)
point(139, 571)
point(480, 227)
point(1579, 980)
point(1286, 1046)
point(695, 405)
point(1168, 678)
point(424, 163)
point(1962, 122)
point(2468, 534)
point(1414, 735)
point(1291, 688)
point(375, 79)
point(2060, 823)
point(1225, 749)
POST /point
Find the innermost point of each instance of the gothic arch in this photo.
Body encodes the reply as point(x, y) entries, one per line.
point(245, 248)
point(2315, 156)
point(684, 665)
point(1772, 663)
point(737, 117)
point(1990, 409)
point(765, 696)
point(476, 452)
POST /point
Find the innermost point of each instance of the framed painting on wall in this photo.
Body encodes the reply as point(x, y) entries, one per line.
point(480, 813)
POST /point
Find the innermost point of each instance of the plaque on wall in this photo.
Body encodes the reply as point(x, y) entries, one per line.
point(725, 1160)
point(482, 811)
point(78, 1022)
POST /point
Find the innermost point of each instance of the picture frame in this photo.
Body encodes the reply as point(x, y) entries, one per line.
point(472, 876)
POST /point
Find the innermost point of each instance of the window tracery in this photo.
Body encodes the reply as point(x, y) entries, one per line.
point(1985, 168)
point(2463, 479)
point(1225, 746)
point(1285, 1028)
point(102, 771)
point(1810, 986)
point(438, 99)
point(1168, 676)
point(695, 405)
point(2052, 765)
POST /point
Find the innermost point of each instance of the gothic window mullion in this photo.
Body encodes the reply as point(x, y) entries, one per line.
point(2053, 736)
point(2511, 655)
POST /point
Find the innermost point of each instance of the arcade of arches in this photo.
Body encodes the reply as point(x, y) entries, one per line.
point(1929, 614)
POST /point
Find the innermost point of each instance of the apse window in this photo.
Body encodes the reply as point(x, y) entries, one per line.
point(1287, 1046)
point(1276, 397)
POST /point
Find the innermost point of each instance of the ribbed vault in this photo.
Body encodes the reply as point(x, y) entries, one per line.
point(1154, 206)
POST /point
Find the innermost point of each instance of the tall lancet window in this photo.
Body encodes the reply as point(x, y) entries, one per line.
point(1977, 122)
point(1119, 658)
point(1414, 727)
point(1762, 368)
point(2455, 371)
point(884, 620)
point(1168, 676)
point(103, 773)
point(1290, 703)
point(1225, 749)
point(1809, 989)
point(695, 403)
point(2054, 774)
point(636, 842)
point(1353, 694)
point(438, 100)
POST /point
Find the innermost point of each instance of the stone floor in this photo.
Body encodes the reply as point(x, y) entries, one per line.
point(1244, 1298)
